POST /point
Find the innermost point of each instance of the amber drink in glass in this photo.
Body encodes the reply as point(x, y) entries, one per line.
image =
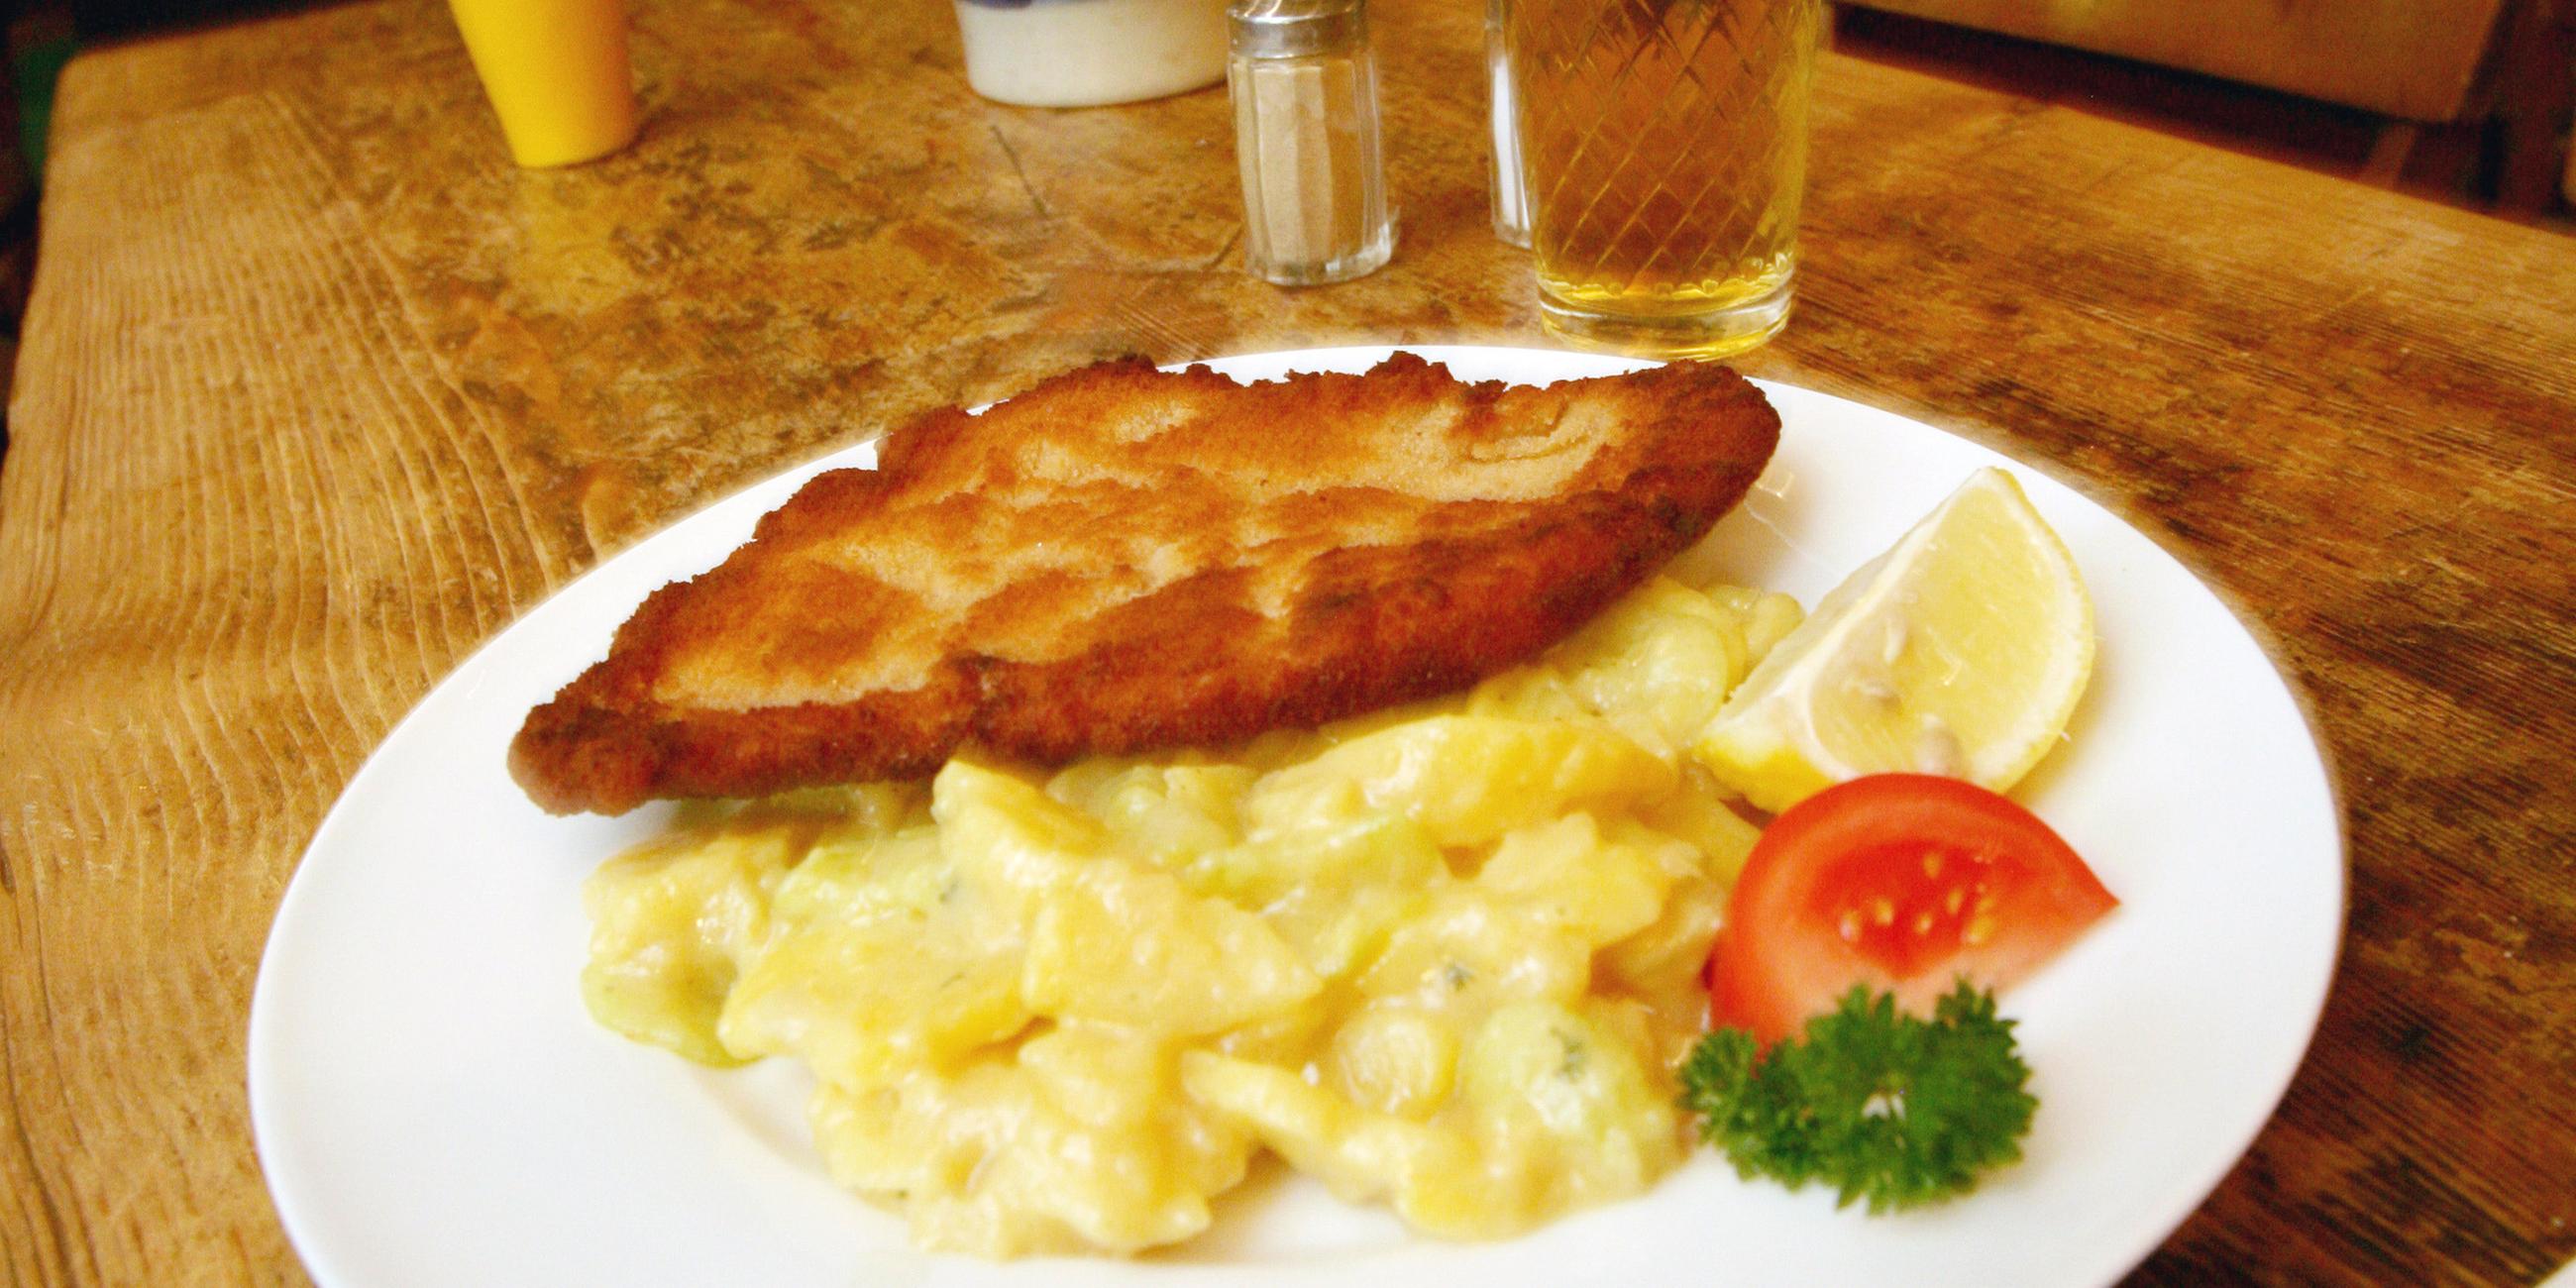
point(1665, 146)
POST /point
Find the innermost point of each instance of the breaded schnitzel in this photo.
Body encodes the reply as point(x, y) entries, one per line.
point(1123, 559)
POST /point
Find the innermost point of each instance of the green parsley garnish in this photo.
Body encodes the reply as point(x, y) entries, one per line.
point(1886, 1107)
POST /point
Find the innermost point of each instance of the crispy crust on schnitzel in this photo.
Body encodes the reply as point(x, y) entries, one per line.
point(1124, 559)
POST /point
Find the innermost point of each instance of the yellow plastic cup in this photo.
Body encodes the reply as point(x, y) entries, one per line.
point(556, 73)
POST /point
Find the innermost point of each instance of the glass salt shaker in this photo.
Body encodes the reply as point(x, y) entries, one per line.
point(1304, 83)
point(1510, 188)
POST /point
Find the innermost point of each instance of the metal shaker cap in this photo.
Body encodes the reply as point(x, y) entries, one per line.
point(1296, 28)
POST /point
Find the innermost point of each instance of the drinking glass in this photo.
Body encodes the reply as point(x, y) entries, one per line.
point(556, 73)
point(1665, 151)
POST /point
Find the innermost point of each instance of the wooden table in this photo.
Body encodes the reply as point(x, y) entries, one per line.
point(318, 392)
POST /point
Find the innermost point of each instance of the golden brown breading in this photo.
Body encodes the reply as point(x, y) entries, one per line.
point(1123, 559)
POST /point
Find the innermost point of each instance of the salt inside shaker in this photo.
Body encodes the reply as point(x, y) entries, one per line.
point(1304, 83)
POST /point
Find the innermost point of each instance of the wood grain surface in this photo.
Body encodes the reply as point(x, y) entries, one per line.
point(318, 392)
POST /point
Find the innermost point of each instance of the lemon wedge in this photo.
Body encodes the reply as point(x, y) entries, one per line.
point(1959, 651)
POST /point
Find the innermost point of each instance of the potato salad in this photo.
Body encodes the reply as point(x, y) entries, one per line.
point(1443, 958)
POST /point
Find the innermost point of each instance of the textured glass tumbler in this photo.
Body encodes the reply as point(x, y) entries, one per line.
point(1664, 143)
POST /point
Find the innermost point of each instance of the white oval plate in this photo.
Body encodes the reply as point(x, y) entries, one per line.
point(433, 1106)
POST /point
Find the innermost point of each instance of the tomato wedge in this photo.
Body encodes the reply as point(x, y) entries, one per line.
point(1902, 882)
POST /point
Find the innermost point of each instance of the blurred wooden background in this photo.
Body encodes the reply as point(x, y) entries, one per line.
point(2467, 102)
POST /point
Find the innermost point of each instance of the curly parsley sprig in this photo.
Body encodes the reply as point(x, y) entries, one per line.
point(1886, 1107)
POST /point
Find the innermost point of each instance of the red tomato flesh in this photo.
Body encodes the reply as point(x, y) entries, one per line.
point(1902, 882)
